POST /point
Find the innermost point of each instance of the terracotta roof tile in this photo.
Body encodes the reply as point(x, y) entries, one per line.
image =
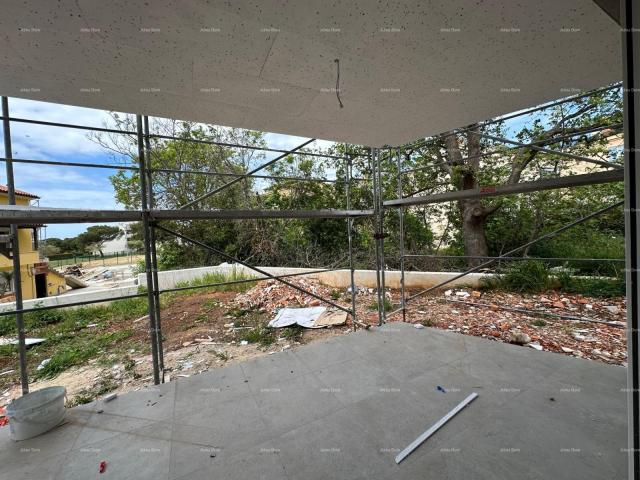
point(21, 193)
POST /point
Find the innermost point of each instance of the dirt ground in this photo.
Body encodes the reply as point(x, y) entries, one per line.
point(207, 330)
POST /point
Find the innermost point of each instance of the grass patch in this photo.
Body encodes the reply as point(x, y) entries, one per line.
point(215, 277)
point(387, 305)
point(210, 303)
point(293, 333)
point(261, 335)
point(67, 357)
point(539, 323)
point(237, 312)
point(592, 287)
point(427, 322)
point(530, 276)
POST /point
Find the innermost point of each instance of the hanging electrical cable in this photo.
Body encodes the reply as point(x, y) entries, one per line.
point(338, 82)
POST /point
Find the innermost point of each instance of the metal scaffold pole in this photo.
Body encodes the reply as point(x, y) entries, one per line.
point(401, 239)
point(630, 22)
point(377, 233)
point(381, 238)
point(348, 172)
point(152, 247)
point(15, 248)
point(146, 230)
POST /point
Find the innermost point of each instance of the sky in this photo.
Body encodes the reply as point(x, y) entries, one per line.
point(75, 187)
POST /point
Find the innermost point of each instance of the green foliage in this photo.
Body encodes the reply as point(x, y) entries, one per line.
point(96, 235)
point(593, 287)
point(293, 333)
point(141, 267)
point(260, 334)
point(538, 323)
point(387, 305)
point(67, 357)
point(528, 276)
point(215, 277)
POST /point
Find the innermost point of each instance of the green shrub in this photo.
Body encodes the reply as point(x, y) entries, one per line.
point(387, 305)
point(213, 278)
point(259, 335)
point(529, 276)
point(593, 287)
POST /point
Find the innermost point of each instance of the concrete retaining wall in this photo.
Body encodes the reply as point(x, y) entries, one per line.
point(76, 296)
point(336, 279)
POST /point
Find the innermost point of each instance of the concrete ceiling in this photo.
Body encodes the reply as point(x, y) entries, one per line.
point(408, 68)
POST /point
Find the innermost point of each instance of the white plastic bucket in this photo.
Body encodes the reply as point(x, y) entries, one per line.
point(36, 412)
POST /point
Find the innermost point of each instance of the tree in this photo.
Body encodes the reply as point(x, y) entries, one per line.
point(463, 160)
point(96, 236)
point(173, 189)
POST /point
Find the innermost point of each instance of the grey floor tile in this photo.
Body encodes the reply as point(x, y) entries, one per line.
point(233, 424)
point(38, 450)
point(294, 403)
point(127, 456)
point(152, 403)
point(355, 380)
point(344, 408)
point(270, 371)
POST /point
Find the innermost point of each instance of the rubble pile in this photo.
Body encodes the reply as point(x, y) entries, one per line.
point(74, 270)
point(601, 334)
point(271, 295)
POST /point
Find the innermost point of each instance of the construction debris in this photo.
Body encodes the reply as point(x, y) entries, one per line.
point(309, 317)
point(304, 317)
point(579, 326)
point(27, 341)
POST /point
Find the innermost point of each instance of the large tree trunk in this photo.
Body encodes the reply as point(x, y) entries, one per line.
point(474, 217)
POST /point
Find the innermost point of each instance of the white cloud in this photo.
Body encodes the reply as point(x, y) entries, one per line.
point(287, 142)
point(40, 141)
point(42, 175)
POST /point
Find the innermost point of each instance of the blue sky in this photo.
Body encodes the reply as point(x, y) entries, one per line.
point(75, 187)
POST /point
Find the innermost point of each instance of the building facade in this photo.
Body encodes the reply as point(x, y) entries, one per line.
point(38, 280)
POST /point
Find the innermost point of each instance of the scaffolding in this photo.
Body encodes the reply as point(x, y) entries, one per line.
point(150, 217)
point(417, 197)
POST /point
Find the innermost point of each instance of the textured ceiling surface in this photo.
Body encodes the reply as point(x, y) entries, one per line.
point(408, 69)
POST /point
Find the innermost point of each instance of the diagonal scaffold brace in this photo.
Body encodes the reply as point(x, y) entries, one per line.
point(257, 269)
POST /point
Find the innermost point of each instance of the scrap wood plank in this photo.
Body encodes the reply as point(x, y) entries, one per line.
point(329, 318)
point(434, 428)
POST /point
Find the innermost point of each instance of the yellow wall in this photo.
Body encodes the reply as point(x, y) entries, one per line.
point(56, 284)
point(28, 256)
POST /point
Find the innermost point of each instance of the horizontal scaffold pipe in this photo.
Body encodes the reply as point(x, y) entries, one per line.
point(35, 215)
point(608, 176)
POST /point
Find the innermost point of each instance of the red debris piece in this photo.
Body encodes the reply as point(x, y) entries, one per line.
point(103, 466)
